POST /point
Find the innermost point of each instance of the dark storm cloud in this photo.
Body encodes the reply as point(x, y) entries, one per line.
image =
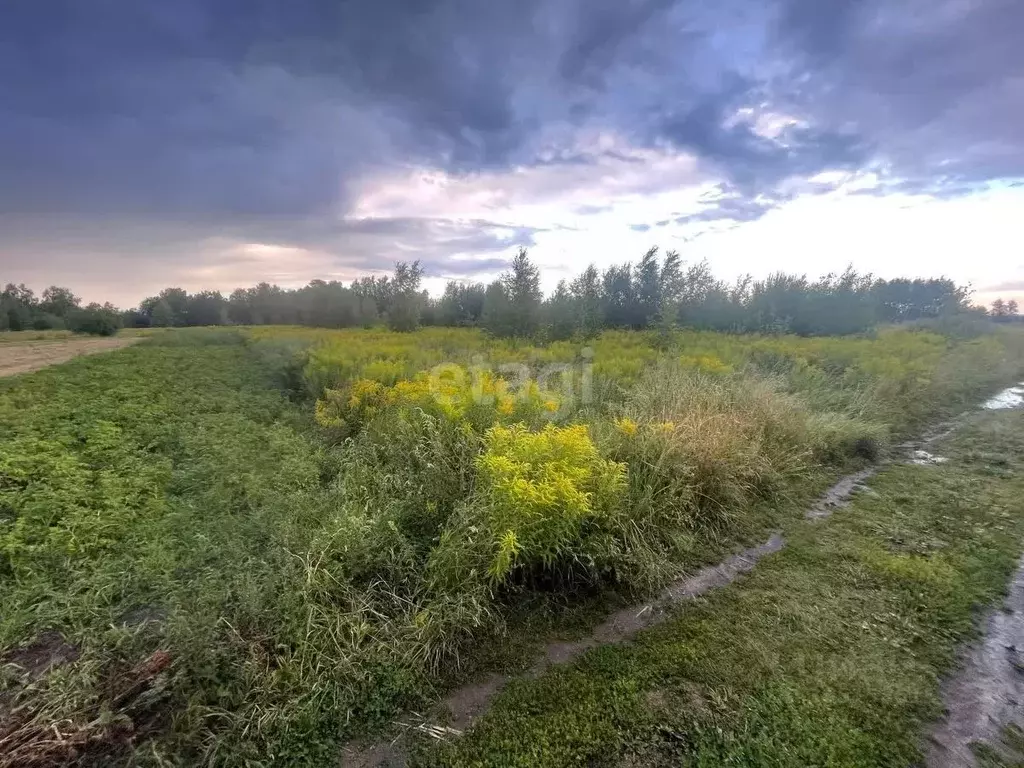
point(256, 119)
point(938, 87)
point(753, 160)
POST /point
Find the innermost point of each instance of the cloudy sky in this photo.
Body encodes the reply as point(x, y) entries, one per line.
point(217, 143)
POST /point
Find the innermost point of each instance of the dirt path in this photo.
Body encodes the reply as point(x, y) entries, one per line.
point(985, 695)
point(24, 357)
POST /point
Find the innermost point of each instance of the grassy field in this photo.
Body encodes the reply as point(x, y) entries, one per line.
point(246, 547)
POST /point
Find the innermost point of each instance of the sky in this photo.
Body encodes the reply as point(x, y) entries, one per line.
point(211, 144)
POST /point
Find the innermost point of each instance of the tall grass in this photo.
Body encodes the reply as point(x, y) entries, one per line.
point(314, 535)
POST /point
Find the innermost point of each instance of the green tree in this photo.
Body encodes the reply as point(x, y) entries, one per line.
point(17, 308)
point(497, 311)
point(206, 308)
point(647, 290)
point(240, 307)
point(59, 301)
point(406, 299)
point(177, 300)
point(161, 315)
point(521, 284)
point(461, 304)
point(619, 297)
point(560, 314)
point(587, 298)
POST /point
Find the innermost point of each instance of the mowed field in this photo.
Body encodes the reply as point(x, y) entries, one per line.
point(272, 546)
point(28, 351)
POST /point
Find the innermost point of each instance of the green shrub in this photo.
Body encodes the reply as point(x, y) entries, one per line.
point(48, 322)
point(538, 496)
point(95, 319)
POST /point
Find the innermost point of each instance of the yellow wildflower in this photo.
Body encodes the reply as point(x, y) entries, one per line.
point(627, 426)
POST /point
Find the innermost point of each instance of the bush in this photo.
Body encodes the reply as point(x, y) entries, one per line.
point(95, 320)
point(48, 322)
point(702, 448)
point(539, 495)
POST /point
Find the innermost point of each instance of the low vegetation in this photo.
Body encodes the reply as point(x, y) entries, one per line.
point(246, 546)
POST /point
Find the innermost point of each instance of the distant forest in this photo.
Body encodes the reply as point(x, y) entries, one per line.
point(658, 292)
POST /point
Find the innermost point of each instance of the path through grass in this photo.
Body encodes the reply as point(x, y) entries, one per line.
point(829, 653)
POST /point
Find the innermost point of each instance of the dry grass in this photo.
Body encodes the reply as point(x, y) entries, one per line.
point(18, 356)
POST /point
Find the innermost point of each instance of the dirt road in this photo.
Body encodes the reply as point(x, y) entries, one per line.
point(23, 357)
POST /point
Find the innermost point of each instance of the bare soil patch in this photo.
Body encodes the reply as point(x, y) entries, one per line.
point(25, 357)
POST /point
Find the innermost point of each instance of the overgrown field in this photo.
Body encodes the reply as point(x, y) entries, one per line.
point(247, 546)
point(828, 653)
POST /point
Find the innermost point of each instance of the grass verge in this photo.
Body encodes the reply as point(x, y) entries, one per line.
point(829, 653)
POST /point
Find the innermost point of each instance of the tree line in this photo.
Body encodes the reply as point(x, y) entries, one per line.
point(1004, 311)
point(657, 292)
point(57, 308)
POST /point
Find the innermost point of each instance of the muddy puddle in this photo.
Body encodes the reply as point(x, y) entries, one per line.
point(840, 494)
point(987, 692)
point(464, 705)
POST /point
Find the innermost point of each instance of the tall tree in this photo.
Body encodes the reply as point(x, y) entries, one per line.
point(17, 308)
point(206, 308)
point(619, 298)
point(461, 304)
point(161, 315)
point(176, 300)
point(497, 312)
point(521, 284)
point(406, 300)
point(59, 302)
point(647, 290)
point(585, 291)
point(560, 314)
